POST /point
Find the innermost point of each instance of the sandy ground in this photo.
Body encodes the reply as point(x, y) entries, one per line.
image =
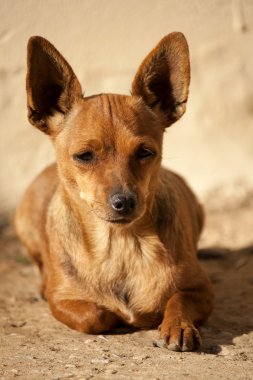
point(35, 346)
point(105, 42)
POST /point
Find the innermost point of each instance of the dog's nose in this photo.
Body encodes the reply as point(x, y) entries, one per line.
point(123, 203)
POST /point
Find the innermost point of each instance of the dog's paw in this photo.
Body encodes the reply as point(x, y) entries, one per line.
point(180, 336)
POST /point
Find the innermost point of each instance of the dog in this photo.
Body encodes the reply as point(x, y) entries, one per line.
point(113, 233)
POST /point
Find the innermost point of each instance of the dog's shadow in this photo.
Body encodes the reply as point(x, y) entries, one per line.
point(232, 277)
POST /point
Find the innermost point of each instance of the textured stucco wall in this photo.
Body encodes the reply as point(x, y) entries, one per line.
point(105, 41)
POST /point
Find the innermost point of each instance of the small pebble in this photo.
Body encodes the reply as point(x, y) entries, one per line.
point(67, 376)
point(56, 349)
point(18, 324)
point(99, 361)
point(88, 341)
point(103, 338)
point(224, 351)
point(140, 358)
point(72, 356)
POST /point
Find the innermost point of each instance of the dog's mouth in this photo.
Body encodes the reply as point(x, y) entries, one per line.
point(118, 220)
point(113, 219)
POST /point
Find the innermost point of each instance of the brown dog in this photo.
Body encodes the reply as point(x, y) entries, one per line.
point(114, 234)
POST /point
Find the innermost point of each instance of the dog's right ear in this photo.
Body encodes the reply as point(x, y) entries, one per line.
point(163, 78)
point(51, 84)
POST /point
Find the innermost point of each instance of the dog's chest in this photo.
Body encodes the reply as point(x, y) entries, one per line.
point(129, 274)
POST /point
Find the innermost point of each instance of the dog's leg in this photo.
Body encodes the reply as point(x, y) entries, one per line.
point(184, 311)
point(83, 316)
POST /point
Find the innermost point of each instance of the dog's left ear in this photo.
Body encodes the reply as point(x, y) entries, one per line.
point(163, 78)
point(52, 87)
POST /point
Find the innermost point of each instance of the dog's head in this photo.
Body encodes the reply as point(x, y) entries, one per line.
point(108, 147)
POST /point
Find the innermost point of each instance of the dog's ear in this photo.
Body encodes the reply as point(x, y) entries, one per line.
point(51, 84)
point(163, 78)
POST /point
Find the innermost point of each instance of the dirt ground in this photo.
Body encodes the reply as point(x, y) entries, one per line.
point(33, 345)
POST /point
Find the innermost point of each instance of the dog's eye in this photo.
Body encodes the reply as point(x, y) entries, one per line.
point(144, 154)
point(85, 157)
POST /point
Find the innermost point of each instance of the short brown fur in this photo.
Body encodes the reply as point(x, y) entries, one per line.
point(114, 234)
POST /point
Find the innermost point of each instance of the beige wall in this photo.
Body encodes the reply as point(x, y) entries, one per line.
point(105, 41)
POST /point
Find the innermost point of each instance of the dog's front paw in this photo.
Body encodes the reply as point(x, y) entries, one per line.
point(180, 336)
